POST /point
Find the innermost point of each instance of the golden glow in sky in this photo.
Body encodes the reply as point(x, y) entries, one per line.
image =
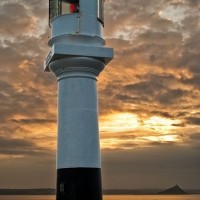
point(118, 122)
point(160, 124)
point(136, 131)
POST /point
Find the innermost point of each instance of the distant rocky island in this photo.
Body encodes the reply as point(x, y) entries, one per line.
point(173, 190)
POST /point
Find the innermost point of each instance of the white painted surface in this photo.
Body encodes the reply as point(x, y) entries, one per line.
point(77, 62)
point(78, 135)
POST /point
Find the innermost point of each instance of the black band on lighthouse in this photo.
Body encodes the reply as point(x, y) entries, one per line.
point(79, 184)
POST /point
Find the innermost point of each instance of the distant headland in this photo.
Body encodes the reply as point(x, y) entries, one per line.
point(173, 190)
point(50, 191)
point(41, 191)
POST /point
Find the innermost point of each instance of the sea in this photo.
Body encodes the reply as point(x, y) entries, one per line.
point(106, 197)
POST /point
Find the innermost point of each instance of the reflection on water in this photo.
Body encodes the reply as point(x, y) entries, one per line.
point(109, 197)
point(27, 197)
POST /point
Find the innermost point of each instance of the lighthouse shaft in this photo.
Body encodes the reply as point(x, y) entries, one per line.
point(77, 57)
point(78, 152)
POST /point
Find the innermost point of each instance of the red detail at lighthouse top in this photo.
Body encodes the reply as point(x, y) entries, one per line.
point(72, 8)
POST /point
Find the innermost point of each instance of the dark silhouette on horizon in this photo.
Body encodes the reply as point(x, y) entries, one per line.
point(173, 190)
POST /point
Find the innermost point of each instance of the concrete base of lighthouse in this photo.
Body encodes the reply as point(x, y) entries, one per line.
point(78, 149)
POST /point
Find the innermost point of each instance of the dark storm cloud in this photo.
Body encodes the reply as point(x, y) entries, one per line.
point(15, 143)
point(144, 87)
point(193, 81)
point(158, 37)
point(163, 144)
point(9, 146)
point(153, 48)
point(33, 121)
point(172, 96)
point(155, 89)
point(159, 48)
point(162, 114)
point(179, 125)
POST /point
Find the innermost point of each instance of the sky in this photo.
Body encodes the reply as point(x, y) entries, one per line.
point(149, 108)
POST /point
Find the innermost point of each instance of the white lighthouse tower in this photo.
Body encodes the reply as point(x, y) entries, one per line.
point(77, 57)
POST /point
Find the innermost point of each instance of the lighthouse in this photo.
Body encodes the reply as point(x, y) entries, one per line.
point(77, 56)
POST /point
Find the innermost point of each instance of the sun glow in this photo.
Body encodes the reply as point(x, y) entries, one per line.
point(127, 130)
point(162, 138)
point(118, 122)
point(127, 122)
point(160, 124)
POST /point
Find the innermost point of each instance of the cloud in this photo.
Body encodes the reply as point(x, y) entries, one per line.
point(34, 121)
point(17, 21)
point(22, 147)
point(15, 143)
point(194, 120)
point(172, 96)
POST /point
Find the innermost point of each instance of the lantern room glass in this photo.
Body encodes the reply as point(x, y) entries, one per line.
point(61, 7)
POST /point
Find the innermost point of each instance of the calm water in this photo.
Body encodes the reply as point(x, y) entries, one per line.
point(112, 197)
